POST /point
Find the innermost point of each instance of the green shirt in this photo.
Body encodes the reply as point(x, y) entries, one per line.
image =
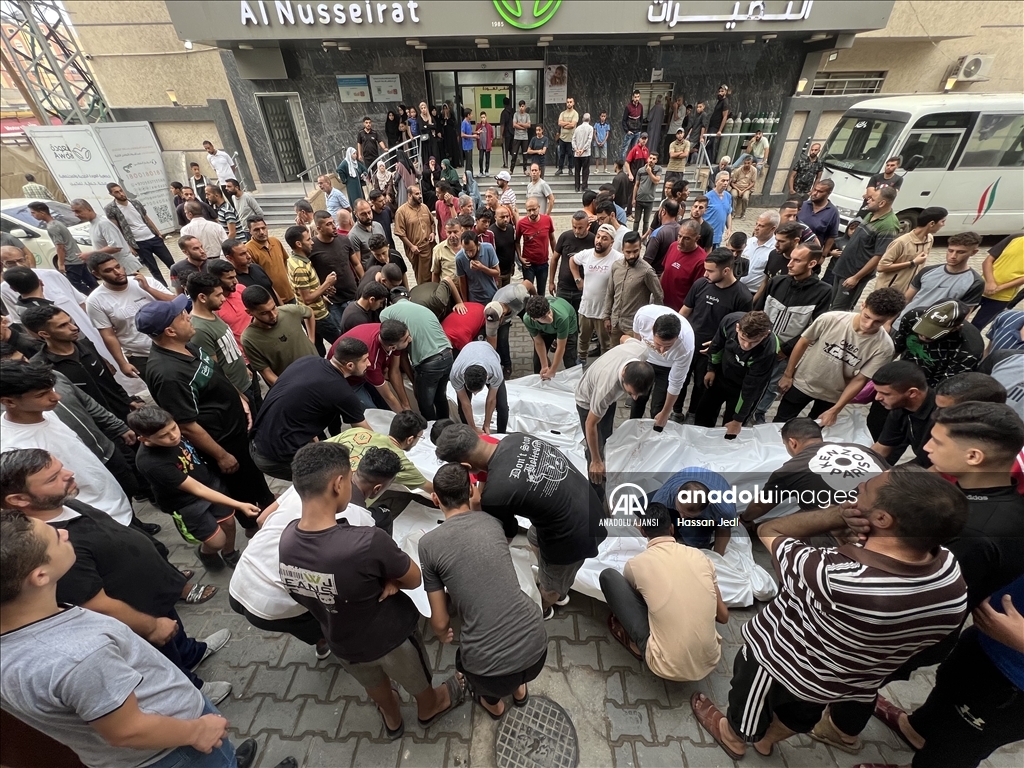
point(278, 347)
point(359, 440)
point(562, 325)
point(428, 337)
point(214, 337)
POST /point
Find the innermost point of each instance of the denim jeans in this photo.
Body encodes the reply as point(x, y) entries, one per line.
point(431, 385)
point(183, 651)
point(189, 757)
point(536, 274)
point(370, 397)
point(641, 215)
point(773, 388)
point(628, 142)
point(80, 277)
point(327, 332)
point(565, 156)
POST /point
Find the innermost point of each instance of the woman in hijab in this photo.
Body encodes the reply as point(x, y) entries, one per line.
point(351, 171)
point(431, 175)
point(391, 128)
point(452, 146)
point(383, 180)
point(450, 175)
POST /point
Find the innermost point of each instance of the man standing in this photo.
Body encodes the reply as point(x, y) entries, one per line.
point(836, 356)
point(507, 131)
point(193, 263)
point(245, 206)
point(954, 280)
point(277, 336)
point(414, 226)
point(591, 269)
point(535, 240)
point(602, 132)
point(107, 239)
point(209, 233)
point(540, 189)
point(137, 229)
point(698, 127)
point(621, 371)
point(226, 215)
point(632, 124)
point(309, 291)
point(476, 266)
point(806, 173)
point(856, 265)
point(33, 190)
point(719, 213)
point(442, 262)
point(504, 244)
point(647, 191)
point(112, 308)
point(69, 255)
point(887, 178)
point(520, 137)
point(197, 181)
point(582, 141)
point(508, 302)
point(214, 336)
point(333, 254)
point(906, 254)
point(221, 162)
point(429, 355)
point(698, 208)
point(758, 249)
point(716, 123)
point(663, 235)
point(268, 252)
point(232, 311)
point(568, 119)
point(468, 135)
point(551, 321)
point(741, 185)
point(821, 215)
point(335, 199)
point(363, 229)
point(684, 265)
point(678, 151)
point(632, 285)
point(369, 145)
point(240, 258)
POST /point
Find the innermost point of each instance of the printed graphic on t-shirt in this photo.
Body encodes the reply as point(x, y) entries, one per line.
point(311, 584)
point(543, 467)
point(844, 351)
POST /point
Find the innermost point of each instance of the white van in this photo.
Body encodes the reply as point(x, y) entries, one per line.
point(961, 151)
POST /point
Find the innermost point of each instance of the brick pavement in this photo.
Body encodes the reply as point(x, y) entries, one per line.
point(624, 716)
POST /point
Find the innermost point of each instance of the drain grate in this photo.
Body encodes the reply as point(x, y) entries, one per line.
point(539, 735)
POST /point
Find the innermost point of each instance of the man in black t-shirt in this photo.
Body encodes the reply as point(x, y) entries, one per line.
point(118, 570)
point(716, 123)
point(709, 300)
point(334, 253)
point(886, 178)
point(903, 398)
point(504, 244)
point(531, 478)
point(247, 272)
point(351, 579)
point(369, 144)
point(309, 397)
point(569, 243)
point(212, 414)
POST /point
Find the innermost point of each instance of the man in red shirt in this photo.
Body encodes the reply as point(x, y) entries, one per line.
point(684, 265)
point(464, 328)
point(381, 386)
point(232, 311)
point(535, 240)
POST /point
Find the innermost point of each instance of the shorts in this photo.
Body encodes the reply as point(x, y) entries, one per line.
point(199, 521)
point(553, 577)
point(599, 153)
point(407, 665)
point(754, 696)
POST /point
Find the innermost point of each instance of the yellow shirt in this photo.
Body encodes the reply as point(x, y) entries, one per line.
point(678, 584)
point(1009, 266)
point(443, 261)
point(568, 115)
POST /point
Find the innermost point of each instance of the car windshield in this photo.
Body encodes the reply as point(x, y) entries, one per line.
point(861, 145)
point(59, 211)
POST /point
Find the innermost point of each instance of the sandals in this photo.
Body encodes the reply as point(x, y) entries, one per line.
point(619, 633)
point(397, 733)
point(709, 716)
point(826, 732)
point(480, 700)
point(456, 686)
point(199, 594)
point(188, 573)
point(523, 701)
point(889, 714)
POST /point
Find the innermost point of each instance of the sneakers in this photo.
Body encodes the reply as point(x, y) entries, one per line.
point(322, 649)
point(211, 560)
point(549, 613)
point(231, 558)
point(214, 643)
point(563, 601)
point(216, 691)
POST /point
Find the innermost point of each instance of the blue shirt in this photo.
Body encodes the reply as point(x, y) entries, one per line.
point(601, 131)
point(336, 201)
point(481, 285)
point(1005, 330)
point(467, 144)
point(414, 126)
point(718, 211)
point(1007, 660)
point(702, 535)
point(824, 224)
point(620, 213)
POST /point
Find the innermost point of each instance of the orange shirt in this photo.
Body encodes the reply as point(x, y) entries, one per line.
point(274, 261)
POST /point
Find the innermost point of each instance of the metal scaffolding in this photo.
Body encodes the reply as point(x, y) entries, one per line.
point(42, 56)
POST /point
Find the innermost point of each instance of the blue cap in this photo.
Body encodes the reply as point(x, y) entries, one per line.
point(156, 317)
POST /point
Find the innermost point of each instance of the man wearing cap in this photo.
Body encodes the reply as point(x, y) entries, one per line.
point(632, 124)
point(211, 414)
point(716, 123)
point(568, 119)
point(939, 341)
point(678, 151)
point(591, 270)
point(508, 301)
point(507, 196)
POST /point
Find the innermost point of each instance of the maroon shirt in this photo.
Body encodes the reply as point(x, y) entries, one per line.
point(682, 270)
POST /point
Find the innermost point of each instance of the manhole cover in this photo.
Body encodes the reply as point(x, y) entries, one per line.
point(539, 735)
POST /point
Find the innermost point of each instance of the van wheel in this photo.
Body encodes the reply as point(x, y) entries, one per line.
point(908, 220)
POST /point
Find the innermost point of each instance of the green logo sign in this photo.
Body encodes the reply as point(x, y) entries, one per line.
point(512, 11)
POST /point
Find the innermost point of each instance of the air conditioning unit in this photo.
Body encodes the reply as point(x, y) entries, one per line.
point(973, 68)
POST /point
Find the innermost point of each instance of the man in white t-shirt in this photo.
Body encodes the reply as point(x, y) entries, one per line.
point(591, 269)
point(106, 238)
point(223, 166)
point(141, 234)
point(540, 189)
point(209, 233)
point(112, 308)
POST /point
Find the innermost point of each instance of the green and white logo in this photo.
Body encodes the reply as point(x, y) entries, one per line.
point(513, 12)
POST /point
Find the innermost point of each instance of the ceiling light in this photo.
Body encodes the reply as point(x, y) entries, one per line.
point(653, 44)
point(244, 47)
point(344, 47)
point(330, 44)
point(412, 42)
point(666, 38)
point(546, 38)
point(543, 44)
point(766, 38)
point(421, 47)
point(749, 41)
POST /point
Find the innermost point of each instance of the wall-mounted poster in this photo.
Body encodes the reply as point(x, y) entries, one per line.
point(556, 82)
point(386, 88)
point(353, 88)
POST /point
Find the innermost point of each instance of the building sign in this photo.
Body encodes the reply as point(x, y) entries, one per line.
point(353, 88)
point(522, 16)
point(83, 159)
point(386, 88)
point(287, 13)
point(672, 12)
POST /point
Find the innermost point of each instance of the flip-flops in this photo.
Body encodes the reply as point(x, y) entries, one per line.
point(889, 714)
point(456, 686)
point(392, 734)
point(619, 633)
point(708, 715)
point(199, 593)
point(826, 732)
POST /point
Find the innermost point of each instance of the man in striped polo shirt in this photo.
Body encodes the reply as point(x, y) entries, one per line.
point(845, 617)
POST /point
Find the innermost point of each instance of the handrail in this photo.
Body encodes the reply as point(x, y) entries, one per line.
point(390, 158)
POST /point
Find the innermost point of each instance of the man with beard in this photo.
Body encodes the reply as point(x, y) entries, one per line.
point(663, 236)
point(684, 265)
point(269, 253)
point(232, 310)
point(535, 239)
point(716, 123)
point(632, 285)
point(806, 173)
point(414, 226)
point(591, 270)
point(363, 229)
point(247, 272)
point(333, 252)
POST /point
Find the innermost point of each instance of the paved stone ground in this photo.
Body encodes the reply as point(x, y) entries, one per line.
point(624, 716)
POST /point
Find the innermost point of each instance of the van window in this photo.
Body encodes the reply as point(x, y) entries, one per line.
point(935, 148)
point(996, 142)
point(861, 144)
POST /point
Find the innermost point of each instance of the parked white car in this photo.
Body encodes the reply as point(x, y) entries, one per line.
point(16, 220)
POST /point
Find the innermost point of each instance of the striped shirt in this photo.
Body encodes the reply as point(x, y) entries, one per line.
point(846, 618)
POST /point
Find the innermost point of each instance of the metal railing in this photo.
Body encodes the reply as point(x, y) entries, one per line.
point(844, 84)
point(328, 165)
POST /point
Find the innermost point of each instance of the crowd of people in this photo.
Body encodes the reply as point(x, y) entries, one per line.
point(263, 356)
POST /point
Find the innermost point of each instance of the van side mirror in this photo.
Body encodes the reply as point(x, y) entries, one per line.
point(912, 163)
point(21, 234)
